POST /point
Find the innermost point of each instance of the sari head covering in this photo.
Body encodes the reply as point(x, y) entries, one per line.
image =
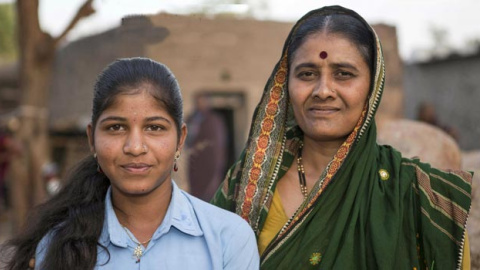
point(370, 209)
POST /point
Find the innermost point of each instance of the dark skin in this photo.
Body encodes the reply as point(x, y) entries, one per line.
point(136, 141)
point(329, 82)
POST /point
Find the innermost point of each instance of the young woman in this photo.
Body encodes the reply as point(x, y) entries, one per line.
point(316, 188)
point(120, 208)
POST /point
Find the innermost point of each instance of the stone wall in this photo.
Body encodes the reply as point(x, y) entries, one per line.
point(452, 85)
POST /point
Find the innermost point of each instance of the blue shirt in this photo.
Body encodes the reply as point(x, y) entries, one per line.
point(193, 235)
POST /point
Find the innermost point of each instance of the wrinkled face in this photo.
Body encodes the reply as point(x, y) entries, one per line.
point(135, 140)
point(328, 85)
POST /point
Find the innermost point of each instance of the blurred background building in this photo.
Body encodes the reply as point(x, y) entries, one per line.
point(227, 59)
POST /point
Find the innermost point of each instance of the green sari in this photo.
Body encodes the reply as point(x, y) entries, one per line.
point(370, 209)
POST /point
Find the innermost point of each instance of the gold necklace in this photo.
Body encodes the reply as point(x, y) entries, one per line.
point(138, 251)
point(301, 173)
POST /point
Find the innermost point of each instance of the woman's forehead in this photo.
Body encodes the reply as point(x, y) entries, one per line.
point(325, 46)
point(135, 101)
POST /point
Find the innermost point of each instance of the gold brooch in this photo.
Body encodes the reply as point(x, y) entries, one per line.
point(315, 258)
point(384, 175)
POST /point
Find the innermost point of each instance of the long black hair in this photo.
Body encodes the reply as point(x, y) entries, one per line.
point(74, 217)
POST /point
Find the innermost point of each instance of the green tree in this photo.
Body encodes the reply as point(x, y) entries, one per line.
point(8, 41)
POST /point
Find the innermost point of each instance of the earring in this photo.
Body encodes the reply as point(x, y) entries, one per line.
point(99, 170)
point(175, 166)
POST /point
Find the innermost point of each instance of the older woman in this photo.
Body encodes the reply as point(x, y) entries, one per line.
point(120, 208)
point(316, 188)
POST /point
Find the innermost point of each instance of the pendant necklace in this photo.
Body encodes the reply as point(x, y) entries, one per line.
point(138, 251)
point(301, 173)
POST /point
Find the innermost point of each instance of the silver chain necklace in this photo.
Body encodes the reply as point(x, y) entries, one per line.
point(138, 251)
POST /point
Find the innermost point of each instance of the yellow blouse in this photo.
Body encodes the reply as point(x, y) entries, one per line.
point(276, 218)
point(466, 253)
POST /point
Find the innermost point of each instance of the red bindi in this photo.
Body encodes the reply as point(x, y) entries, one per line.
point(323, 54)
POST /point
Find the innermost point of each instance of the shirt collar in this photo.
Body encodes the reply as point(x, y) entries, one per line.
point(112, 229)
point(180, 214)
